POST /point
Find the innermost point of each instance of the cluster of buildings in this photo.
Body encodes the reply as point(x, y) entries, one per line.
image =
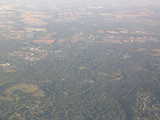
point(128, 14)
point(155, 52)
point(71, 14)
point(34, 18)
point(7, 67)
point(31, 54)
point(121, 36)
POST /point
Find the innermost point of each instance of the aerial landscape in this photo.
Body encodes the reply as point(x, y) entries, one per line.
point(79, 60)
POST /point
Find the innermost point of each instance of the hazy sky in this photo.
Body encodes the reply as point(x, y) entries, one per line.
point(109, 2)
point(106, 3)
